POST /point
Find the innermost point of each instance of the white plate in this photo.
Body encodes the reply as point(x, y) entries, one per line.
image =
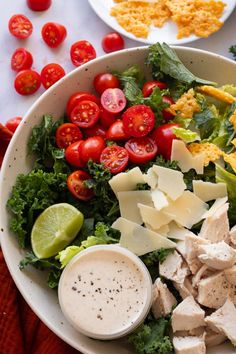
point(31, 282)
point(168, 33)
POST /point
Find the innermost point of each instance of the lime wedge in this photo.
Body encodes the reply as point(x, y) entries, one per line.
point(55, 229)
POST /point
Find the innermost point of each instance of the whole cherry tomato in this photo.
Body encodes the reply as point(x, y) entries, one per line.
point(51, 73)
point(13, 123)
point(104, 81)
point(20, 26)
point(78, 97)
point(67, 134)
point(39, 5)
point(141, 150)
point(53, 34)
point(107, 118)
point(27, 82)
point(114, 158)
point(112, 42)
point(149, 86)
point(164, 136)
point(96, 130)
point(116, 131)
point(21, 59)
point(91, 148)
point(138, 120)
point(81, 52)
point(76, 186)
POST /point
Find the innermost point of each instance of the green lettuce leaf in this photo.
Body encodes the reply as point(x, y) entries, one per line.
point(188, 136)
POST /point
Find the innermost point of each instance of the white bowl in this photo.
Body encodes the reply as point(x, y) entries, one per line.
point(31, 282)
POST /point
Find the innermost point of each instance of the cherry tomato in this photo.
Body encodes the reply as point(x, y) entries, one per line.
point(164, 136)
point(51, 73)
point(5, 134)
point(116, 131)
point(167, 116)
point(113, 100)
point(138, 120)
point(112, 42)
point(92, 148)
point(53, 34)
point(20, 26)
point(76, 186)
point(141, 150)
point(13, 123)
point(67, 134)
point(96, 130)
point(81, 52)
point(78, 97)
point(21, 60)
point(114, 158)
point(39, 5)
point(104, 81)
point(27, 82)
point(107, 118)
point(149, 86)
point(85, 114)
point(72, 154)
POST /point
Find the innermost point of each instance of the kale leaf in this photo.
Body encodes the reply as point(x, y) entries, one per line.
point(232, 50)
point(152, 259)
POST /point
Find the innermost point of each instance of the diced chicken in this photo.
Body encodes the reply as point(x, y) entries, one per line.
point(230, 275)
point(199, 275)
point(217, 255)
point(174, 268)
point(187, 315)
point(213, 290)
point(232, 235)
point(196, 332)
point(163, 300)
point(224, 321)
point(185, 289)
point(213, 338)
point(192, 243)
point(189, 345)
point(215, 228)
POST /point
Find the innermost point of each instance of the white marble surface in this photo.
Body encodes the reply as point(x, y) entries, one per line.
point(81, 23)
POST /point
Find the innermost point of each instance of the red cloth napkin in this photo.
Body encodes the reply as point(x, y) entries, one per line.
point(21, 331)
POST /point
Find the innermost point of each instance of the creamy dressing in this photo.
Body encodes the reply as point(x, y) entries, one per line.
point(105, 291)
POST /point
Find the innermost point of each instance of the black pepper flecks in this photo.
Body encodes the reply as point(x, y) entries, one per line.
point(74, 288)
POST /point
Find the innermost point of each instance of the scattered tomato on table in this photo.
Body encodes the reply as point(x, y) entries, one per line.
point(21, 59)
point(20, 26)
point(112, 42)
point(53, 34)
point(39, 5)
point(51, 73)
point(81, 52)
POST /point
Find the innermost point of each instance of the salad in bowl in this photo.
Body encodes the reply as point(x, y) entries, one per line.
point(143, 159)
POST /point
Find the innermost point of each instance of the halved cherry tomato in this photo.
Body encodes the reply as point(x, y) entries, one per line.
point(138, 120)
point(164, 136)
point(75, 183)
point(20, 26)
point(107, 118)
point(85, 114)
point(112, 42)
point(21, 59)
point(27, 82)
point(53, 34)
point(78, 97)
point(113, 100)
point(141, 150)
point(67, 134)
point(167, 116)
point(104, 81)
point(51, 73)
point(114, 158)
point(5, 134)
point(39, 5)
point(72, 154)
point(92, 148)
point(96, 130)
point(116, 131)
point(149, 86)
point(81, 52)
point(13, 123)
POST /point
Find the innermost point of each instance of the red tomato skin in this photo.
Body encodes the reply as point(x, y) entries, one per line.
point(20, 26)
point(164, 137)
point(51, 73)
point(149, 86)
point(78, 97)
point(96, 130)
point(21, 59)
point(91, 148)
point(138, 120)
point(72, 154)
point(81, 52)
point(67, 134)
point(27, 82)
point(53, 34)
point(112, 42)
point(104, 81)
point(39, 5)
point(76, 187)
point(106, 118)
point(114, 158)
point(116, 131)
point(141, 149)
point(167, 116)
point(85, 114)
point(12, 124)
point(113, 100)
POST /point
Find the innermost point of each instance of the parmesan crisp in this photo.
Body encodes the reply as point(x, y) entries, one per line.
point(210, 151)
point(186, 105)
point(217, 93)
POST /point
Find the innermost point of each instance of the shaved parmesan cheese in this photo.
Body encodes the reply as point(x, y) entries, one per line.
point(128, 203)
point(187, 209)
point(170, 181)
point(163, 230)
point(217, 204)
point(126, 181)
point(151, 178)
point(159, 199)
point(153, 217)
point(208, 191)
point(177, 232)
point(138, 239)
point(185, 159)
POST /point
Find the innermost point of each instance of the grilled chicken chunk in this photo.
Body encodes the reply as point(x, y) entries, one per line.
point(217, 255)
point(174, 268)
point(192, 243)
point(163, 300)
point(189, 345)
